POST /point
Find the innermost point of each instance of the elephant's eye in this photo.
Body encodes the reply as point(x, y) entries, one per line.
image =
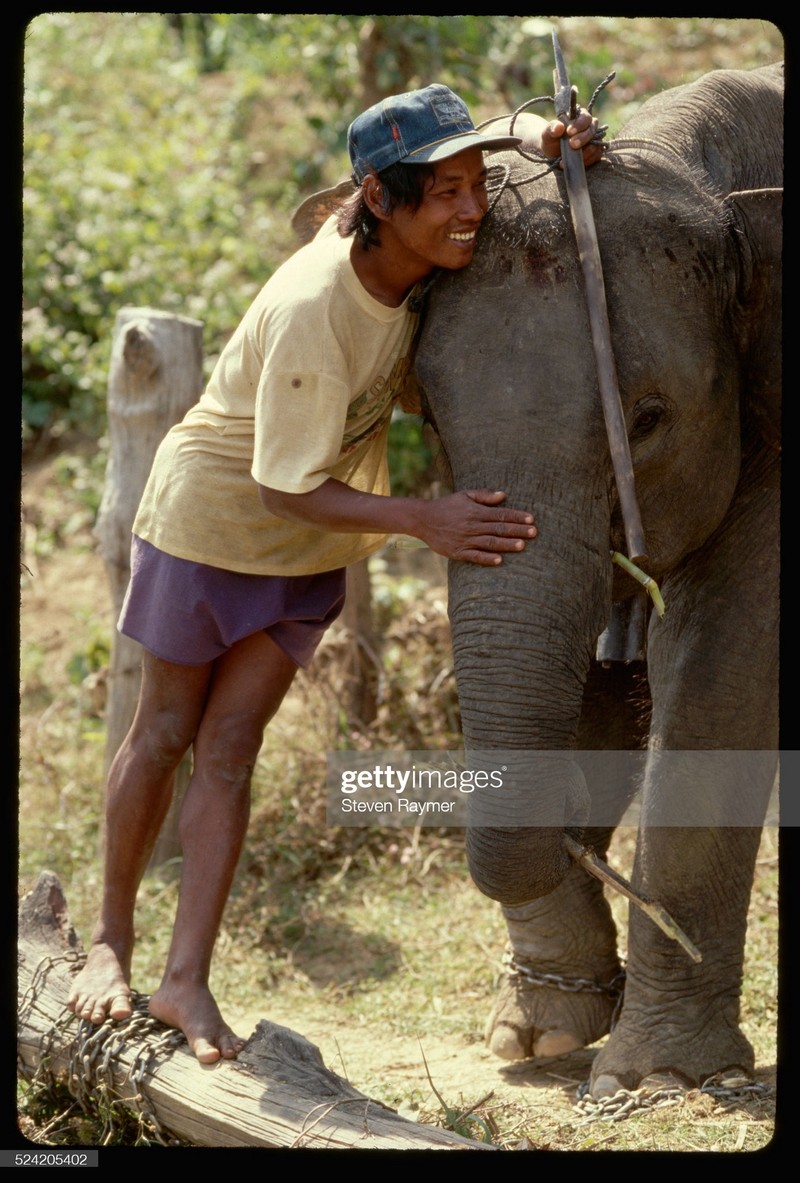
point(647, 415)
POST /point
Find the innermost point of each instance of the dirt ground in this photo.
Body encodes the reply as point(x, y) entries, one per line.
point(463, 1071)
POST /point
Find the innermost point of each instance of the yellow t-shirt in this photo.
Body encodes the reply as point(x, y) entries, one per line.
point(303, 391)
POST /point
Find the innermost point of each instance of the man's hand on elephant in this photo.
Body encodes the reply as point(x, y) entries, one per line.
point(474, 527)
point(580, 133)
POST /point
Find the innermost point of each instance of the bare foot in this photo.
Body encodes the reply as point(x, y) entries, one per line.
point(191, 1008)
point(101, 989)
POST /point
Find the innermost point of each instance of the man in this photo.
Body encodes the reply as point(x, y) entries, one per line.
point(258, 500)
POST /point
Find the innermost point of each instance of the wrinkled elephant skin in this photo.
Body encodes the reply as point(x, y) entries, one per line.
point(689, 225)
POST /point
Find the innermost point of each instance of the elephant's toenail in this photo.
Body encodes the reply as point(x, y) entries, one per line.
point(605, 1086)
point(555, 1043)
point(662, 1080)
point(506, 1043)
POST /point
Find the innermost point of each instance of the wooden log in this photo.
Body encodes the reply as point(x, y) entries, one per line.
point(156, 375)
point(278, 1093)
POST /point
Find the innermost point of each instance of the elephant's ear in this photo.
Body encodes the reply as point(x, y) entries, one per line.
point(759, 237)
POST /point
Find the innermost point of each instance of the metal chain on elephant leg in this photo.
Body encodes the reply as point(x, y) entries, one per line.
point(538, 979)
point(724, 1086)
point(625, 1103)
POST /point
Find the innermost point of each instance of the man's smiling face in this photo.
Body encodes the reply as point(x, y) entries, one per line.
point(441, 231)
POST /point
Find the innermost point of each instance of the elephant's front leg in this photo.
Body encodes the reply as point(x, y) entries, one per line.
point(570, 933)
point(712, 665)
point(680, 1019)
point(562, 983)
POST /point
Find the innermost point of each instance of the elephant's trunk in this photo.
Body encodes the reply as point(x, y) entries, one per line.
point(523, 636)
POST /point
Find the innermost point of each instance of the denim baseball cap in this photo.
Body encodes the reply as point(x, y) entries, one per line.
point(418, 127)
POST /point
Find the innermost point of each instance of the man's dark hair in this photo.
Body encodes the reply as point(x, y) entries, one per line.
point(402, 184)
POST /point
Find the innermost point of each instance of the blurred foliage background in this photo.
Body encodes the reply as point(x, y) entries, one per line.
point(165, 152)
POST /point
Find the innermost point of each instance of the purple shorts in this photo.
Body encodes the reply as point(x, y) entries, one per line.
point(190, 613)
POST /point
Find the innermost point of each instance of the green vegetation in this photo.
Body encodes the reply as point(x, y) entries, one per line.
point(164, 152)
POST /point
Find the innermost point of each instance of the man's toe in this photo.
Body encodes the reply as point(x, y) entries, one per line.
point(205, 1052)
point(120, 1007)
point(92, 1012)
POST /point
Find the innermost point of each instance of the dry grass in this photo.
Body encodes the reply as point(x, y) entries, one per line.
point(376, 946)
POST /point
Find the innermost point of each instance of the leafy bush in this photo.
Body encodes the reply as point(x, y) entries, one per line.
point(135, 192)
point(163, 152)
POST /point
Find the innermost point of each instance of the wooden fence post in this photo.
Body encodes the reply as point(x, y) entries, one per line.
point(156, 374)
point(360, 666)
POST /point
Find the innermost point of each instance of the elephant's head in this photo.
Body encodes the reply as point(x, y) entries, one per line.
point(690, 258)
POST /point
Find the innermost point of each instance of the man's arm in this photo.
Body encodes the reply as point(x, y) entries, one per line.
point(472, 526)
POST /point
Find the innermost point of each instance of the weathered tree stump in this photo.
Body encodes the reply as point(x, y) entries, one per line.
point(277, 1094)
point(156, 375)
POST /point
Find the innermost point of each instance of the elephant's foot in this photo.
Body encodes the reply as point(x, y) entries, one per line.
point(546, 1021)
point(560, 997)
point(654, 1049)
point(681, 1017)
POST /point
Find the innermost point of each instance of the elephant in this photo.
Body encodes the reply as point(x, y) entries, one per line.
point(549, 659)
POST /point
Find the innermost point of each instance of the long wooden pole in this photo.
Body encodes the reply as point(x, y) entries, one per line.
point(589, 252)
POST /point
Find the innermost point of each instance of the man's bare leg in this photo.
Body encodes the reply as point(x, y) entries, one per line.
point(138, 794)
point(247, 687)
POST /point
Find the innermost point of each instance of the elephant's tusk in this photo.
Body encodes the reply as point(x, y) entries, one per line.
point(657, 912)
point(646, 581)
